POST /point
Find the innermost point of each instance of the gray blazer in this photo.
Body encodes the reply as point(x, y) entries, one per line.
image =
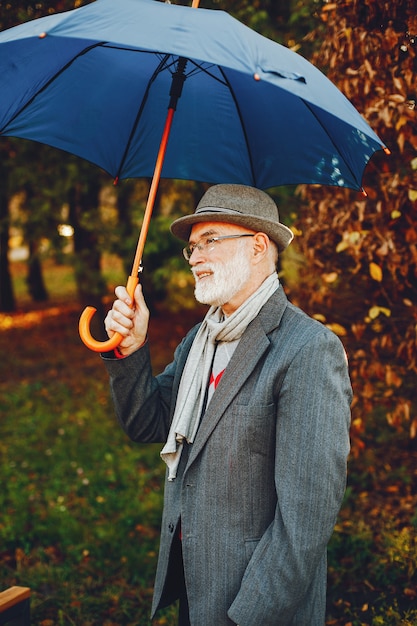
point(260, 490)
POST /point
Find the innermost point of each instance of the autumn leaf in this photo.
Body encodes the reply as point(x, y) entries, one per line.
point(338, 329)
point(375, 271)
point(330, 278)
point(342, 245)
point(375, 311)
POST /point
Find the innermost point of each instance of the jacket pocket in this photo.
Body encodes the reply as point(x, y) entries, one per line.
point(256, 425)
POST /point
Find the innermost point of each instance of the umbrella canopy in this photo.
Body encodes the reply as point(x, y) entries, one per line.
point(95, 82)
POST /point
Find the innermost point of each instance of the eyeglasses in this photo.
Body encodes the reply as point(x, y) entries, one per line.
point(208, 244)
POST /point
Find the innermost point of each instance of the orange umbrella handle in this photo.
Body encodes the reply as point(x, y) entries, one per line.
point(87, 314)
point(85, 320)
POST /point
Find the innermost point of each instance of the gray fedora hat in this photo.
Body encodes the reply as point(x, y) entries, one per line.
point(237, 204)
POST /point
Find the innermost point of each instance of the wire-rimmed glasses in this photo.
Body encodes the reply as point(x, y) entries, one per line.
point(207, 244)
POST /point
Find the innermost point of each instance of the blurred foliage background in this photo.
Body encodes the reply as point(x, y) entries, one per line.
point(64, 228)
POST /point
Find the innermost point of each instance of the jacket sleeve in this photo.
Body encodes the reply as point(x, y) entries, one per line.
point(143, 402)
point(312, 444)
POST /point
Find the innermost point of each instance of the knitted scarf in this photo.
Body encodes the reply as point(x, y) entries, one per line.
point(194, 380)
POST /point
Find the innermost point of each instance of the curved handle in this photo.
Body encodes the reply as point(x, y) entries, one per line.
point(88, 339)
point(86, 317)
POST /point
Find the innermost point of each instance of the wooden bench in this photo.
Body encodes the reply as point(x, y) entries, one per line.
point(15, 606)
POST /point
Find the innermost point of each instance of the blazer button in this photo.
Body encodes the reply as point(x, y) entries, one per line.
point(171, 527)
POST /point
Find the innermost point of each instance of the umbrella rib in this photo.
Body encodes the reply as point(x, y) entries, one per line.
point(306, 104)
point(161, 66)
point(51, 80)
point(252, 169)
point(200, 68)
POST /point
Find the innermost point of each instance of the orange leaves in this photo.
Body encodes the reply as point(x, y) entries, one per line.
point(392, 378)
point(325, 10)
point(338, 329)
point(369, 69)
point(411, 234)
point(400, 414)
point(359, 275)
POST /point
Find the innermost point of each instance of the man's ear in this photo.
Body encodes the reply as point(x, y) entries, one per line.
point(260, 245)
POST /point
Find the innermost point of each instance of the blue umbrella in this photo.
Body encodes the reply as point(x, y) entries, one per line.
point(95, 82)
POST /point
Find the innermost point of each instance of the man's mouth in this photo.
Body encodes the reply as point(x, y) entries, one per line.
point(202, 274)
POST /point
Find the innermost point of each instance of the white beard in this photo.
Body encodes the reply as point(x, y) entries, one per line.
point(227, 279)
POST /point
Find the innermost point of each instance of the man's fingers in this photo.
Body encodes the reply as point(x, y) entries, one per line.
point(122, 295)
point(117, 323)
point(121, 309)
point(140, 300)
point(130, 322)
point(122, 319)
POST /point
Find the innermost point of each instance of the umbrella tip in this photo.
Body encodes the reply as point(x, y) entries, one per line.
point(42, 35)
point(257, 77)
point(116, 181)
point(364, 192)
point(387, 150)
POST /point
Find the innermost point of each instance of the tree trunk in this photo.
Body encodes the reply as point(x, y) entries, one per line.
point(7, 300)
point(34, 279)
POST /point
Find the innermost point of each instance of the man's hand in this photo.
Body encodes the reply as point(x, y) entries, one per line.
point(129, 321)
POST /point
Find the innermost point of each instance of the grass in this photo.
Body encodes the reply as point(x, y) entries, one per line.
point(80, 505)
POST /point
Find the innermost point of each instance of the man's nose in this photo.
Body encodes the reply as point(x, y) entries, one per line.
point(196, 256)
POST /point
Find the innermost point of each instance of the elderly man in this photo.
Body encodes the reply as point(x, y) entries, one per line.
point(254, 414)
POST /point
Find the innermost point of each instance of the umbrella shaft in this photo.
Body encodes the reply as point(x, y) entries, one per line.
point(152, 193)
point(178, 79)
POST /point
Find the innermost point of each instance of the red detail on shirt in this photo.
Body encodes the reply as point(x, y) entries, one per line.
point(215, 380)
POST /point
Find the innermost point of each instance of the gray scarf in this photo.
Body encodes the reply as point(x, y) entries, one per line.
point(196, 372)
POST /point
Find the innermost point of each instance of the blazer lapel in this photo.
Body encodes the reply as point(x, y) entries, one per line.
point(251, 348)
